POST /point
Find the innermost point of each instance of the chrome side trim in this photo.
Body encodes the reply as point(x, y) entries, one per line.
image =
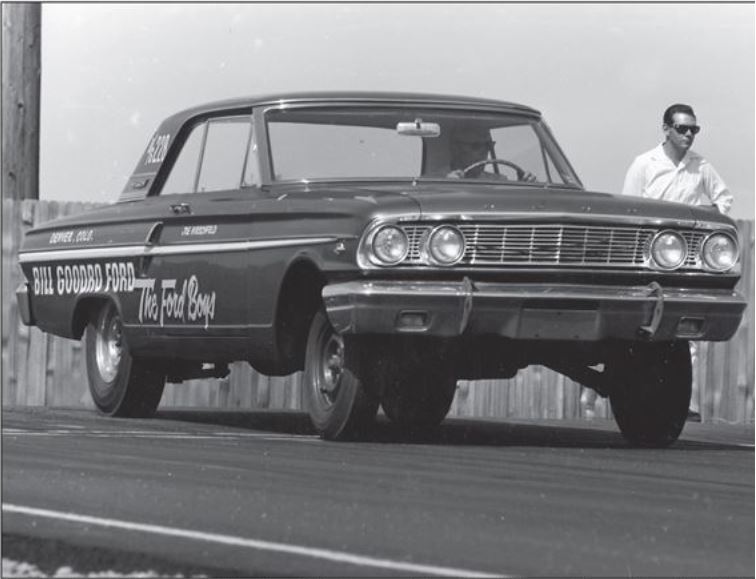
point(88, 253)
point(144, 251)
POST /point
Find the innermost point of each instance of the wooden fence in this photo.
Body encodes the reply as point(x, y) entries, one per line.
point(43, 370)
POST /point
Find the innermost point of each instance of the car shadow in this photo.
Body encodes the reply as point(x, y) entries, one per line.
point(452, 432)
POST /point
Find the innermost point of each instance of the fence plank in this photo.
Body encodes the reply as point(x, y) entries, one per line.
point(10, 218)
point(36, 368)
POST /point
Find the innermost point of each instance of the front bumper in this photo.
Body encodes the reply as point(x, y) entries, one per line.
point(533, 311)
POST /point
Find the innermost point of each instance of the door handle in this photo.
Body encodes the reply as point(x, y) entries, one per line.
point(181, 209)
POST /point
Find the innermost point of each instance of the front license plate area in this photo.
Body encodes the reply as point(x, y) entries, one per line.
point(550, 324)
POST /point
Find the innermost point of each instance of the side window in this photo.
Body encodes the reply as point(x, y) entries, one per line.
point(225, 151)
point(184, 170)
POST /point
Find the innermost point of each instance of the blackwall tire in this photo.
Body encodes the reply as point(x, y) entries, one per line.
point(418, 396)
point(119, 384)
point(339, 404)
point(650, 392)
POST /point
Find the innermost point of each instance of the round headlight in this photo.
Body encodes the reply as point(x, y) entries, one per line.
point(446, 245)
point(720, 252)
point(669, 250)
point(390, 245)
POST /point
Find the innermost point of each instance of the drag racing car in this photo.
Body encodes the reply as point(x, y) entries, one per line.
point(387, 245)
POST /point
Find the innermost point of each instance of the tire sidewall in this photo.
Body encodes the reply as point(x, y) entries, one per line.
point(333, 419)
point(108, 396)
point(651, 394)
point(415, 395)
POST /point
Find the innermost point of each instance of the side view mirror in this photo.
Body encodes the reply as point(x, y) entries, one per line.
point(418, 128)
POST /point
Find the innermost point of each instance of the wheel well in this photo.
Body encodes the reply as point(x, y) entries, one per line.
point(85, 309)
point(299, 299)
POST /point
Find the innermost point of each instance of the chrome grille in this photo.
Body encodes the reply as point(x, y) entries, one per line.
point(552, 244)
point(555, 244)
point(694, 240)
point(416, 236)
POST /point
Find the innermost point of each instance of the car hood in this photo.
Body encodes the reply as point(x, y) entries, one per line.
point(430, 200)
point(543, 202)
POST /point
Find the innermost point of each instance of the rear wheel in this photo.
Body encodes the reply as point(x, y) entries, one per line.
point(340, 405)
point(650, 392)
point(120, 385)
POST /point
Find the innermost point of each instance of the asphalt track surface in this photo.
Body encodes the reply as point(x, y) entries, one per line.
point(258, 494)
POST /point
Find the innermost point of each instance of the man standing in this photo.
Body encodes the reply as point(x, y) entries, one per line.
point(673, 172)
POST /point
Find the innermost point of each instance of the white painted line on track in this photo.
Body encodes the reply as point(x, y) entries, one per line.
point(164, 435)
point(712, 440)
point(313, 552)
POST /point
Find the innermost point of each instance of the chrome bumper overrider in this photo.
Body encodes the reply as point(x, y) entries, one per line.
point(533, 311)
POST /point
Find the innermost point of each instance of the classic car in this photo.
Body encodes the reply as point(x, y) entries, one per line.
point(387, 245)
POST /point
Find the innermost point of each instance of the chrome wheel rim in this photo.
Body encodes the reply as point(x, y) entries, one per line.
point(331, 368)
point(109, 344)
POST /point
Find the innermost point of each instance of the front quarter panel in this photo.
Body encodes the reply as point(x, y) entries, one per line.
point(343, 216)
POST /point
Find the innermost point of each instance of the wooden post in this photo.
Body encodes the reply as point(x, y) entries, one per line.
point(21, 63)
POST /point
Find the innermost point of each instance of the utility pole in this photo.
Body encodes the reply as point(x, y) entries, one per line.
point(21, 64)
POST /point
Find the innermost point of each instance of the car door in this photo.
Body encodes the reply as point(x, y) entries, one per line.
point(192, 283)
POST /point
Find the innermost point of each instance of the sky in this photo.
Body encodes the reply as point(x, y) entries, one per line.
point(602, 74)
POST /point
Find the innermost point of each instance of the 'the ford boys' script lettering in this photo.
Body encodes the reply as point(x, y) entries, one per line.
point(160, 301)
point(74, 279)
point(171, 302)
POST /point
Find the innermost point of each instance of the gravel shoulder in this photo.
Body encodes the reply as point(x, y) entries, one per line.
point(38, 557)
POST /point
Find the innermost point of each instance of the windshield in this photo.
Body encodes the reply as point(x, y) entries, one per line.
point(389, 143)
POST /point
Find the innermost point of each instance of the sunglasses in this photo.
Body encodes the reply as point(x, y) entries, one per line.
point(682, 129)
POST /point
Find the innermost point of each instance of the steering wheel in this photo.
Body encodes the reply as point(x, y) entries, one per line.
point(518, 170)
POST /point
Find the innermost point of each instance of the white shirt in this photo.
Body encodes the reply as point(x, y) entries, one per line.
point(693, 180)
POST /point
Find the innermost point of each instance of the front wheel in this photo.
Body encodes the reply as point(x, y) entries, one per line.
point(417, 391)
point(418, 397)
point(651, 391)
point(120, 385)
point(340, 405)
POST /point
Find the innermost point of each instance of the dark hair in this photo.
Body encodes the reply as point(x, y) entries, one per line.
point(669, 114)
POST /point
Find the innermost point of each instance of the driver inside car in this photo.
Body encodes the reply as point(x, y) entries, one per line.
point(472, 157)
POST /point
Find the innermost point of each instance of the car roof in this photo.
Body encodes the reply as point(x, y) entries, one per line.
point(142, 178)
point(352, 97)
